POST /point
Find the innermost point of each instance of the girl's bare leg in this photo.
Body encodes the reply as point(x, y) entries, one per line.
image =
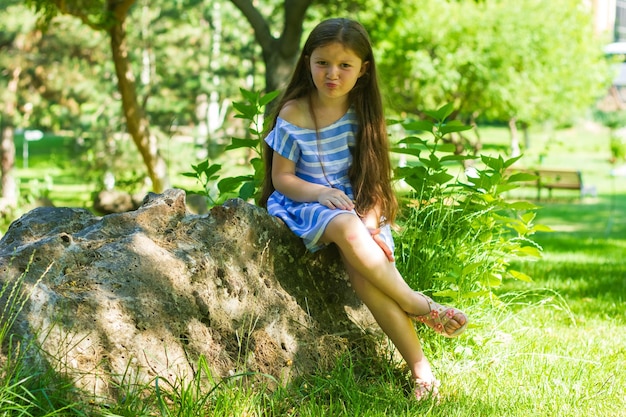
point(395, 323)
point(366, 258)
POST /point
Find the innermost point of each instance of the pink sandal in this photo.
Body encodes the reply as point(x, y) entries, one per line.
point(439, 316)
point(426, 390)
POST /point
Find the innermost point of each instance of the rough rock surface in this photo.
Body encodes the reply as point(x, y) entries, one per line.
point(134, 295)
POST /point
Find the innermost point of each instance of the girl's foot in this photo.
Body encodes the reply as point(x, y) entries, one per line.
point(446, 321)
point(425, 390)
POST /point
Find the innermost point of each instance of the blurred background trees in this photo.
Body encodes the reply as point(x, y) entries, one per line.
point(96, 70)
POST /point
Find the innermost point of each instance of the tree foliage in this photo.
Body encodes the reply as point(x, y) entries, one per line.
point(110, 17)
point(495, 59)
point(279, 52)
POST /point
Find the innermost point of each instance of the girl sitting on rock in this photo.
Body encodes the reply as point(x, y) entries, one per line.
point(328, 177)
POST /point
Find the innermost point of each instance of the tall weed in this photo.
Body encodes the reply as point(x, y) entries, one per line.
point(26, 390)
point(13, 300)
point(459, 233)
point(218, 189)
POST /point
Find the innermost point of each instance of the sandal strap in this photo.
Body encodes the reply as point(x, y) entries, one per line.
point(438, 316)
point(426, 389)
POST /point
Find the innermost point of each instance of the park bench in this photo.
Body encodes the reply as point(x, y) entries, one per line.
point(551, 179)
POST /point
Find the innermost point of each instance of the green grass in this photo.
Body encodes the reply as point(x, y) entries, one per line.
point(553, 347)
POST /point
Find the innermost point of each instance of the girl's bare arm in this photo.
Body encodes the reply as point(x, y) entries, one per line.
point(297, 189)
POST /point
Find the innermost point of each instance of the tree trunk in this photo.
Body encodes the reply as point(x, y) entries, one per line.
point(136, 121)
point(7, 146)
point(526, 133)
point(515, 149)
point(279, 54)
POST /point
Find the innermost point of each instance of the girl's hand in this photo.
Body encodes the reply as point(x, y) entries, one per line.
point(335, 199)
point(381, 242)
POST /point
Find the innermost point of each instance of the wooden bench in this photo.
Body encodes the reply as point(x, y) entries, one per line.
point(551, 179)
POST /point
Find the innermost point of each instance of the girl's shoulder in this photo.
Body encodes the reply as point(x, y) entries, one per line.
point(296, 112)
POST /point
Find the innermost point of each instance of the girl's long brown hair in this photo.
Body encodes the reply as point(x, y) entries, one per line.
point(370, 173)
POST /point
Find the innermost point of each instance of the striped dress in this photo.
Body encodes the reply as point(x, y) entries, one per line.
point(331, 146)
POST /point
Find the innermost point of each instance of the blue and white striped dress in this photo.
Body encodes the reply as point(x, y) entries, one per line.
point(331, 145)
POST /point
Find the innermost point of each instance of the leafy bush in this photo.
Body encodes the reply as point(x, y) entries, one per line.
point(618, 148)
point(459, 234)
point(244, 186)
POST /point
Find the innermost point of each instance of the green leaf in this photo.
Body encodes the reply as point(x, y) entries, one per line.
point(416, 182)
point(542, 228)
point(249, 95)
point(522, 177)
point(431, 162)
point(230, 184)
point(403, 172)
point(501, 188)
point(500, 218)
point(483, 181)
point(494, 279)
point(528, 217)
point(209, 171)
point(528, 251)
point(419, 125)
point(494, 163)
point(511, 161)
point(407, 151)
point(520, 228)
point(257, 164)
point(212, 170)
point(237, 143)
point(447, 293)
point(521, 205)
point(470, 268)
point(446, 147)
point(247, 190)
point(441, 177)
point(520, 276)
point(450, 128)
point(201, 167)
point(456, 158)
point(265, 99)
point(442, 113)
point(247, 111)
point(411, 140)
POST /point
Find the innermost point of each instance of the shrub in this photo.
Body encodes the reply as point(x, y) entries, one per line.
point(459, 233)
point(244, 186)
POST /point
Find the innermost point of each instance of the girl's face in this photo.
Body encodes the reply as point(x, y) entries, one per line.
point(335, 70)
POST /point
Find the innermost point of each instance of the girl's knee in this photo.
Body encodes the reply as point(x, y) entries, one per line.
point(345, 228)
point(343, 223)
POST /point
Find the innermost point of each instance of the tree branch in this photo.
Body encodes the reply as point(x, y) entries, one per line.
point(120, 8)
point(261, 29)
point(78, 12)
point(295, 10)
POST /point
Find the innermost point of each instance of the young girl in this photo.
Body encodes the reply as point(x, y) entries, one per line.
point(328, 177)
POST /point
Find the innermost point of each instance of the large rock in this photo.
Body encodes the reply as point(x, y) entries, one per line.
point(144, 293)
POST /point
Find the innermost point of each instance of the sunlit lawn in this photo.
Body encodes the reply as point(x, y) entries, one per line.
point(557, 348)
